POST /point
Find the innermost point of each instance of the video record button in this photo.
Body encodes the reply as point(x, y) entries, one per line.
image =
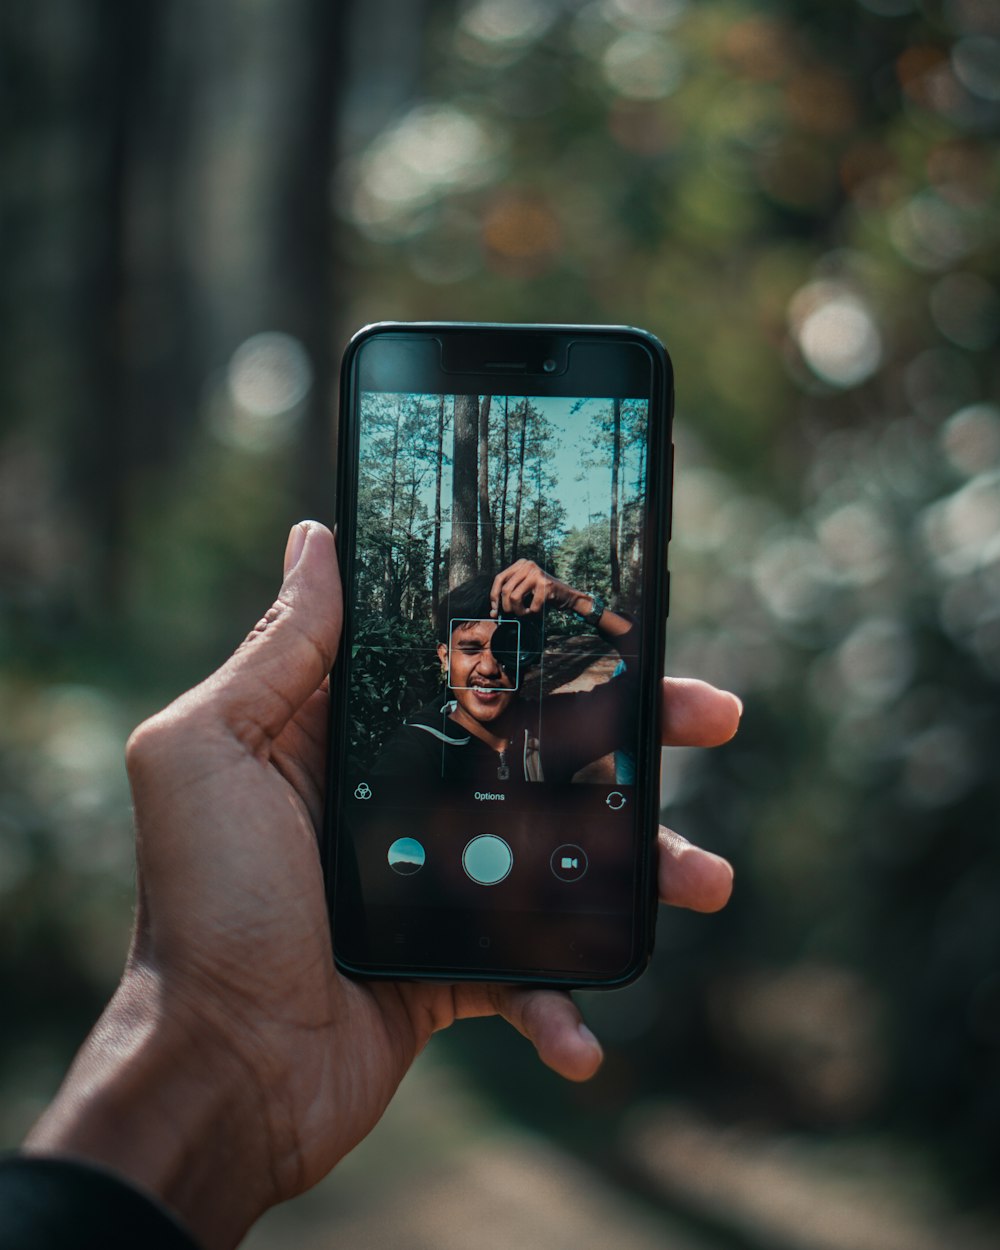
point(569, 862)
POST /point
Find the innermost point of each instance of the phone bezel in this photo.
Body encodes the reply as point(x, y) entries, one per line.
point(474, 348)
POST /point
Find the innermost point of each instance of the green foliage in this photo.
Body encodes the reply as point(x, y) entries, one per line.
point(800, 198)
point(582, 558)
point(398, 459)
point(394, 671)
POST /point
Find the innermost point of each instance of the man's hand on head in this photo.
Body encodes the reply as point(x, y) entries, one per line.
point(232, 1031)
point(525, 589)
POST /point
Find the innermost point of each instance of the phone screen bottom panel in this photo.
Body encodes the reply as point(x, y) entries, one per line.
point(469, 943)
point(542, 879)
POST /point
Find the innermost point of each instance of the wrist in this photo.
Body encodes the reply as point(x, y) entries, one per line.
point(153, 1099)
point(576, 601)
point(589, 606)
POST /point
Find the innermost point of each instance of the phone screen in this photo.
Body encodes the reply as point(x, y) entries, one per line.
point(502, 519)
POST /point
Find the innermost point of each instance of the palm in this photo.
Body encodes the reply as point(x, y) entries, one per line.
point(382, 1026)
point(345, 1043)
point(335, 1047)
point(232, 1011)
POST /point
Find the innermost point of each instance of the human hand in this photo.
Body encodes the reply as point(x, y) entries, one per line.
point(235, 1066)
point(524, 587)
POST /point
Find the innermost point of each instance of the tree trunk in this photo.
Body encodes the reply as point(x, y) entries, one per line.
point(485, 519)
point(520, 484)
point(463, 490)
point(408, 595)
point(105, 438)
point(390, 580)
point(616, 450)
point(436, 558)
point(506, 478)
point(304, 229)
point(538, 506)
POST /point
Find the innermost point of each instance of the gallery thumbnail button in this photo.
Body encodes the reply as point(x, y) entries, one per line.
point(406, 856)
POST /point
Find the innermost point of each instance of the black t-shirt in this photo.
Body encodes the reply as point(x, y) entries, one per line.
point(61, 1204)
point(550, 738)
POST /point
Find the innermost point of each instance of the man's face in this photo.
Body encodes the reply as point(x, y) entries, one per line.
point(480, 686)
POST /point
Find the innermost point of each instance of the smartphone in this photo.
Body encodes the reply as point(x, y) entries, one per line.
point(503, 509)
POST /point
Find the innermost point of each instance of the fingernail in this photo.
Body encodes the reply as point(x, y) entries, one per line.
point(588, 1037)
point(294, 547)
point(739, 702)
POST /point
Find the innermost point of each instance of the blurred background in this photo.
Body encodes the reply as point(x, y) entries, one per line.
point(800, 197)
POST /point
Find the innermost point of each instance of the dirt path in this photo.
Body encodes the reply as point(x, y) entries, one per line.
point(443, 1172)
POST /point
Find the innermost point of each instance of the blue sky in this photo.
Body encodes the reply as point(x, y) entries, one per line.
point(584, 492)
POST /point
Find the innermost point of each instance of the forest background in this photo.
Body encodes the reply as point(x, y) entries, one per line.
point(201, 203)
point(453, 486)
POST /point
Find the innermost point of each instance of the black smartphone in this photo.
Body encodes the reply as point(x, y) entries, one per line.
point(503, 517)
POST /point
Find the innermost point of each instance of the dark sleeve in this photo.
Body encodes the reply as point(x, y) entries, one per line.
point(627, 644)
point(409, 753)
point(578, 728)
point(58, 1204)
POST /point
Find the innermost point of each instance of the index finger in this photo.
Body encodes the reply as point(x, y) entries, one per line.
point(696, 714)
point(549, 1019)
point(508, 587)
point(495, 590)
point(691, 877)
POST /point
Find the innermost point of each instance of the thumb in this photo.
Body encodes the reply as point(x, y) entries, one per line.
point(289, 652)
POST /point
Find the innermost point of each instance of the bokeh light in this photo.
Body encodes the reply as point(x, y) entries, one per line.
point(652, 15)
point(520, 233)
point(971, 439)
point(802, 202)
point(433, 150)
point(966, 309)
point(930, 232)
point(267, 381)
point(976, 62)
point(836, 333)
point(511, 22)
point(641, 66)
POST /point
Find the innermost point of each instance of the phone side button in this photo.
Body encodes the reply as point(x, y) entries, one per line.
point(666, 594)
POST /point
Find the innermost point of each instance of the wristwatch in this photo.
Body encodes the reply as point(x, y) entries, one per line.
point(597, 611)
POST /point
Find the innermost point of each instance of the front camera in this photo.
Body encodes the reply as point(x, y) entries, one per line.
point(549, 366)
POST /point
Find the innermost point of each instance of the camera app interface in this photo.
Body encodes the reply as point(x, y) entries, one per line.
point(494, 656)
